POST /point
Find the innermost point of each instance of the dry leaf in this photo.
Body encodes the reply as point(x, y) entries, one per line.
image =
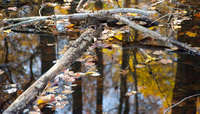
point(67, 91)
point(131, 93)
point(165, 61)
point(158, 52)
point(7, 31)
point(191, 34)
point(176, 27)
point(1, 72)
point(174, 48)
point(140, 66)
point(45, 99)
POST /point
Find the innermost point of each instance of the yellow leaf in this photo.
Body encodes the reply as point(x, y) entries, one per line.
point(176, 27)
point(152, 28)
point(166, 61)
point(149, 59)
point(45, 99)
point(61, 10)
point(70, 26)
point(191, 34)
point(132, 14)
point(153, 8)
point(7, 31)
point(118, 36)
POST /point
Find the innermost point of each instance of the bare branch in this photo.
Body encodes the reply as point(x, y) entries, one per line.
point(78, 16)
point(155, 34)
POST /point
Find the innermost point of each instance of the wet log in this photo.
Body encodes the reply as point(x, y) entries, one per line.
point(74, 52)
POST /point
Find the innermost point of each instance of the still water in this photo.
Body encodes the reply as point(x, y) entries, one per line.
point(126, 85)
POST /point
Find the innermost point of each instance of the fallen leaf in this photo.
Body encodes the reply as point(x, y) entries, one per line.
point(165, 61)
point(45, 99)
point(131, 93)
point(191, 34)
point(67, 91)
point(197, 14)
point(140, 66)
point(174, 48)
point(176, 27)
point(9, 91)
point(93, 73)
point(34, 112)
point(158, 52)
point(7, 31)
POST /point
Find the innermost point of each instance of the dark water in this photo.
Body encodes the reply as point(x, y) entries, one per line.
point(154, 86)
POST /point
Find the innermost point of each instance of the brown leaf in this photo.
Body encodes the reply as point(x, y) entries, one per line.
point(67, 91)
point(140, 66)
point(1, 72)
point(158, 52)
point(165, 61)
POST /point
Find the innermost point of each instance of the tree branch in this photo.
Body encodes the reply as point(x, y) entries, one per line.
point(77, 16)
point(155, 35)
point(74, 52)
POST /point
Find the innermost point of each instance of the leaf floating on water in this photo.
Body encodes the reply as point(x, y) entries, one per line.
point(7, 31)
point(176, 27)
point(150, 59)
point(34, 112)
point(140, 66)
point(158, 52)
point(174, 48)
point(67, 91)
point(131, 93)
point(46, 99)
point(93, 74)
point(197, 14)
point(191, 34)
point(165, 61)
point(9, 91)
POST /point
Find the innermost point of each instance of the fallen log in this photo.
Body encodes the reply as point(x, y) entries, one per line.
point(74, 52)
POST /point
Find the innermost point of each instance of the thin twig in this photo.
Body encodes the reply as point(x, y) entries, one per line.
point(166, 110)
point(161, 18)
point(80, 5)
point(41, 8)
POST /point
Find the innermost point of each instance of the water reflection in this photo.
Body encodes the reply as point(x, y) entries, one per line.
point(187, 77)
point(155, 86)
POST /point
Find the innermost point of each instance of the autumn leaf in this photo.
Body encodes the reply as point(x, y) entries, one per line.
point(1, 72)
point(45, 99)
point(118, 36)
point(7, 31)
point(165, 61)
point(67, 91)
point(131, 93)
point(158, 52)
point(140, 66)
point(132, 14)
point(191, 34)
point(92, 73)
point(70, 26)
point(149, 59)
point(197, 14)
